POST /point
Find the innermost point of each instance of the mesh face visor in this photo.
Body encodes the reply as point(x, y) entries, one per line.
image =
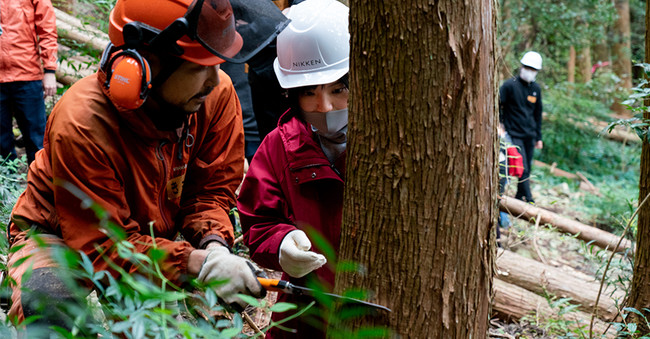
point(221, 25)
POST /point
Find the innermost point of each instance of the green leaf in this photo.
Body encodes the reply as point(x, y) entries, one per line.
point(631, 327)
point(230, 332)
point(249, 300)
point(282, 307)
point(157, 255)
point(633, 310)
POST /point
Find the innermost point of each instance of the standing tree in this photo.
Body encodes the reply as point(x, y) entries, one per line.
point(640, 291)
point(420, 200)
point(622, 46)
point(621, 49)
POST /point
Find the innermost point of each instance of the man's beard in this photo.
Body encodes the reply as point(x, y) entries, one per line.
point(164, 115)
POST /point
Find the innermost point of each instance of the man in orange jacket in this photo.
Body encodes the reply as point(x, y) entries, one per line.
point(155, 137)
point(28, 50)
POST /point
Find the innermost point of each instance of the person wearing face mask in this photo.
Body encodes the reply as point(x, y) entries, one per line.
point(296, 178)
point(520, 113)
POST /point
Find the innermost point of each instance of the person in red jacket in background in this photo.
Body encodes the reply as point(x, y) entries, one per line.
point(155, 139)
point(28, 52)
point(296, 178)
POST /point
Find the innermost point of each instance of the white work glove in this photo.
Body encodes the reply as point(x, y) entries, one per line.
point(239, 274)
point(295, 257)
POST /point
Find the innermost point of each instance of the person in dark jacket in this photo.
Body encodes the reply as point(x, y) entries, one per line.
point(520, 112)
point(237, 73)
point(269, 99)
point(296, 179)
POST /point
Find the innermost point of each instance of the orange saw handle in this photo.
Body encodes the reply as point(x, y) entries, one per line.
point(273, 284)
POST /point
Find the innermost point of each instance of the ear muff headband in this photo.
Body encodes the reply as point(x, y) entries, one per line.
point(128, 77)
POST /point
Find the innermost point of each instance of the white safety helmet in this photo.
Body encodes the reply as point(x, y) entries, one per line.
point(314, 49)
point(533, 60)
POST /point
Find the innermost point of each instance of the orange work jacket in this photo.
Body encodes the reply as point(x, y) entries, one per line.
point(137, 175)
point(28, 40)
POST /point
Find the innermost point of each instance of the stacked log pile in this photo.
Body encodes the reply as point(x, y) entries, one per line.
point(75, 67)
point(522, 285)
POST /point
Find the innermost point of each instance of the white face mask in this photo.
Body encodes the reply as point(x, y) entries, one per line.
point(527, 75)
point(327, 123)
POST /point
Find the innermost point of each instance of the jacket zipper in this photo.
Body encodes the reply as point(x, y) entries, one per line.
point(160, 155)
point(336, 171)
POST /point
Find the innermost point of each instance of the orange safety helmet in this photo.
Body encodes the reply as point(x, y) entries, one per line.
point(159, 15)
point(205, 32)
point(194, 29)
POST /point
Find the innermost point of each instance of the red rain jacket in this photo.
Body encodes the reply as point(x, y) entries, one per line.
point(28, 40)
point(291, 185)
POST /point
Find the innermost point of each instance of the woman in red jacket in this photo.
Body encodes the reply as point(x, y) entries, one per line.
point(296, 178)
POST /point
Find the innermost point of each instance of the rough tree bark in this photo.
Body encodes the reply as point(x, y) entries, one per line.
point(420, 202)
point(640, 291)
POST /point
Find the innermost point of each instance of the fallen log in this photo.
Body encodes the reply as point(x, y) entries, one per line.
point(618, 133)
point(585, 184)
point(518, 302)
point(539, 278)
point(69, 27)
point(584, 232)
point(556, 171)
point(71, 70)
point(73, 67)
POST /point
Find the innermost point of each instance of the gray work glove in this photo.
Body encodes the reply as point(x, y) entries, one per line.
point(295, 256)
point(239, 274)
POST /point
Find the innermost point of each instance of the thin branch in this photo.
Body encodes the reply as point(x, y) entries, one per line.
point(535, 246)
point(252, 324)
point(611, 257)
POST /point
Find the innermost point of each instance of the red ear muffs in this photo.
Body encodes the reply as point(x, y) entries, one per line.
point(128, 78)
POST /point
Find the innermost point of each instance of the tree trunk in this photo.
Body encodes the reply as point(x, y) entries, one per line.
point(622, 46)
point(420, 202)
point(584, 232)
point(539, 278)
point(584, 65)
point(518, 302)
point(571, 65)
point(601, 51)
point(640, 291)
point(622, 65)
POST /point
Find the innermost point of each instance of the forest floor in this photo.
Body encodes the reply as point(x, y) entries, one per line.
point(551, 247)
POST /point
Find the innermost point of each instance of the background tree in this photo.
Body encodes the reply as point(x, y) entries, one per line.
point(551, 28)
point(621, 50)
point(640, 289)
point(622, 44)
point(420, 198)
